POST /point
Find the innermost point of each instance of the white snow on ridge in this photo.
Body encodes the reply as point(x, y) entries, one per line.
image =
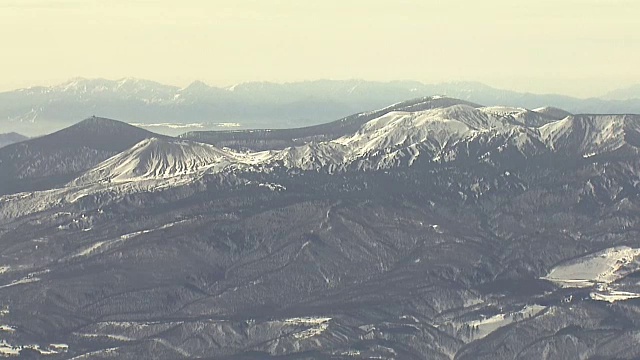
point(397, 129)
point(409, 135)
point(588, 134)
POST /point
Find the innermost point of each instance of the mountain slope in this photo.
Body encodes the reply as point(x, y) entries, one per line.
point(590, 135)
point(155, 159)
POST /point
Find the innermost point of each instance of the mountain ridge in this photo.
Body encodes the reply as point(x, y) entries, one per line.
point(432, 130)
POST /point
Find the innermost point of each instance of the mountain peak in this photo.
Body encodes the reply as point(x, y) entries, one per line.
point(155, 158)
point(75, 84)
point(101, 133)
point(553, 112)
point(96, 122)
point(196, 86)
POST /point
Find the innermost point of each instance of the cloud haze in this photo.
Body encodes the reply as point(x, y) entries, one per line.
point(580, 48)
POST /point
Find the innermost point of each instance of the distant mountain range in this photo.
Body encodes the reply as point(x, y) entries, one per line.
point(173, 110)
point(627, 93)
point(11, 138)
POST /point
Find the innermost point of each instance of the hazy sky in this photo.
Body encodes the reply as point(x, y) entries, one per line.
point(577, 47)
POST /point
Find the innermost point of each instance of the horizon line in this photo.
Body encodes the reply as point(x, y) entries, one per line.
point(273, 82)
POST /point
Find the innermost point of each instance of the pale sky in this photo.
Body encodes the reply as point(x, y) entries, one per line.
point(575, 47)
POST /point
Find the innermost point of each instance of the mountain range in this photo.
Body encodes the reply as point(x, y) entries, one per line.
point(627, 93)
point(434, 228)
point(173, 110)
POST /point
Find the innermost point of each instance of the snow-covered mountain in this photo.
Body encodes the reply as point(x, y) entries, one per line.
point(376, 144)
point(431, 134)
point(590, 135)
point(156, 159)
point(100, 155)
point(427, 128)
point(433, 130)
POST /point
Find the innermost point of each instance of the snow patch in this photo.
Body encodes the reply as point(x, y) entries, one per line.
point(90, 249)
point(7, 328)
point(107, 243)
point(486, 325)
point(603, 267)
point(273, 186)
point(8, 350)
point(228, 124)
point(22, 281)
point(170, 125)
point(613, 296)
point(317, 326)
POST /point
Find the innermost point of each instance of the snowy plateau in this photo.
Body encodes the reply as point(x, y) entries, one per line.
point(433, 228)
